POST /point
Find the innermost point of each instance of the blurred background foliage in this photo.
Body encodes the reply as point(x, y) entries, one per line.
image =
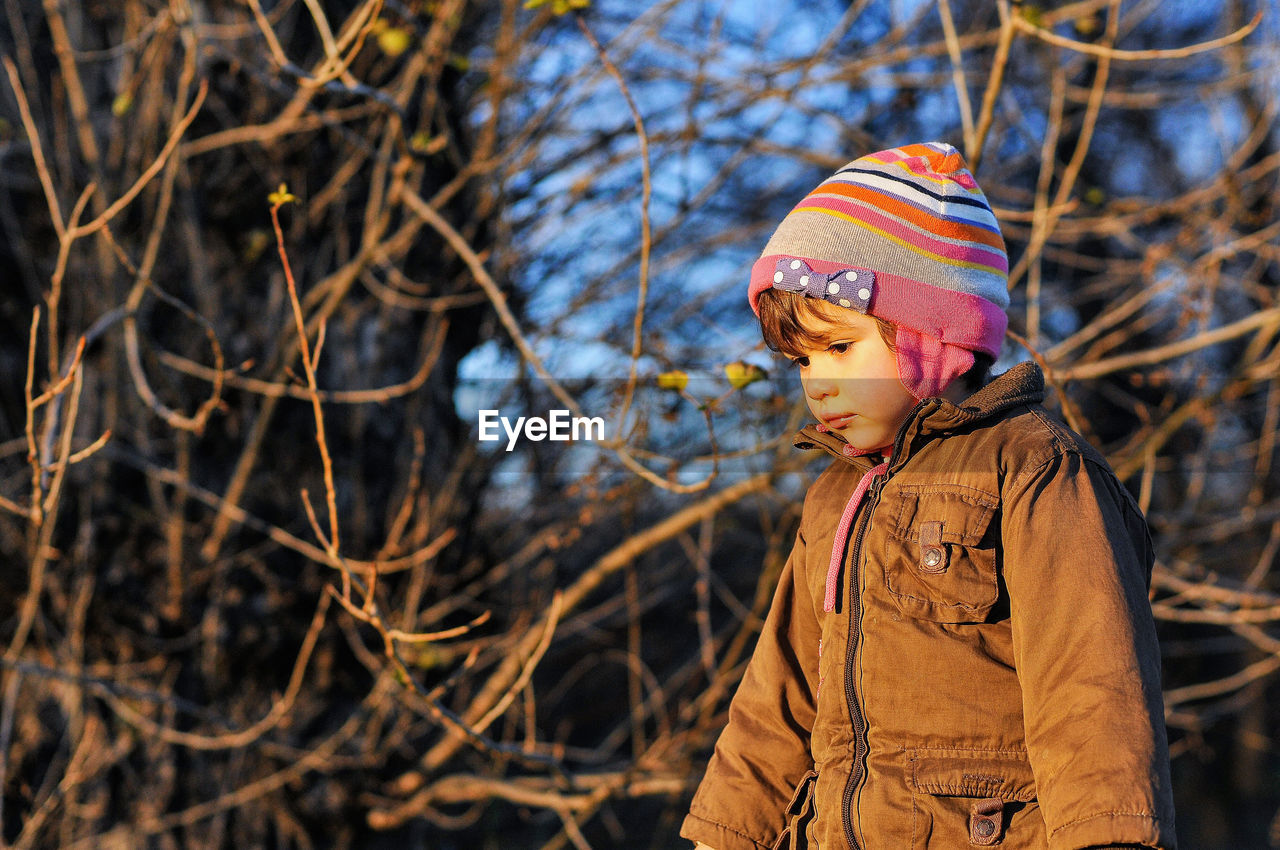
point(222, 631)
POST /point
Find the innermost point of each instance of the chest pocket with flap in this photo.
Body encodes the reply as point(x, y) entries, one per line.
point(940, 565)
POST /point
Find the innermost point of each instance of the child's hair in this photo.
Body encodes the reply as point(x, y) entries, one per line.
point(782, 324)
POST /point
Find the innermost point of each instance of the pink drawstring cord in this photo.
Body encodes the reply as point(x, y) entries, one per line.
point(842, 534)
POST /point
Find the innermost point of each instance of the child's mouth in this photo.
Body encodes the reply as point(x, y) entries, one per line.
point(840, 420)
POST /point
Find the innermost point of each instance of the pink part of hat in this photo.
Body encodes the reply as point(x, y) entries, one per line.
point(926, 366)
point(951, 316)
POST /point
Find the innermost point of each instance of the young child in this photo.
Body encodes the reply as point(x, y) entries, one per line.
point(960, 650)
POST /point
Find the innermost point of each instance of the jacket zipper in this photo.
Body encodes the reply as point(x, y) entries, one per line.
point(855, 626)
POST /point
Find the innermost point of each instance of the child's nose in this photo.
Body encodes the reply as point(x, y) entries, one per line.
point(819, 387)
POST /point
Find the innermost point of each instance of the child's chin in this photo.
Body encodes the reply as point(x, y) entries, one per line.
point(864, 442)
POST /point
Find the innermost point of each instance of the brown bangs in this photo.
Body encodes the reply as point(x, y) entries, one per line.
point(783, 316)
point(781, 321)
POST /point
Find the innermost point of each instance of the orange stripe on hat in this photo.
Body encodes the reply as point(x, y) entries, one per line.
point(914, 215)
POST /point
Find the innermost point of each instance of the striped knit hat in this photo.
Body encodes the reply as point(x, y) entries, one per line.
point(907, 236)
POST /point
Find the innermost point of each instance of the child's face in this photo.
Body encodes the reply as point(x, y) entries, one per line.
point(851, 379)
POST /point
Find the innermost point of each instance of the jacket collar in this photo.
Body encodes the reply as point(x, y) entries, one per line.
point(1023, 384)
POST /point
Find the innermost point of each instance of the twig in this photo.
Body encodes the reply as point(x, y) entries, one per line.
point(63, 382)
point(197, 421)
point(1043, 217)
point(332, 57)
point(536, 792)
point(282, 390)
point(1107, 52)
point(272, 130)
point(33, 456)
point(1055, 379)
point(550, 620)
point(309, 367)
point(646, 235)
point(152, 170)
point(1251, 673)
point(13, 683)
point(244, 737)
point(48, 515)
point(269, 33)
point(239, 516)
point(37, 150)
point(1159, 354)
point(958, 81)
point(430, 216)
point(703, 590)
point(71, 80)
point(319, 756)
point(617, 558)
point(986, 113)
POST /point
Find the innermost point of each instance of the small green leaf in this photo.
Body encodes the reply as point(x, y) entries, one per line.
point(255, 243)
point(428, 657)
point(281, 196)
point(742, 374)
point(393, 40)
point(423, 142)
point(122, 104)
point(1086, 24)
point(674, 380)
point(559, 7)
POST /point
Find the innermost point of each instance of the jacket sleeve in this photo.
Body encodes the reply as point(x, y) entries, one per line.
point(763, 752)
point(1077, 565)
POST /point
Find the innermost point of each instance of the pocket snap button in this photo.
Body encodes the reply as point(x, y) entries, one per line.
point(933, 558)
point(985, 819)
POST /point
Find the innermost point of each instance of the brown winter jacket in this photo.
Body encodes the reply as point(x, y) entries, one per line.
point(990, 674)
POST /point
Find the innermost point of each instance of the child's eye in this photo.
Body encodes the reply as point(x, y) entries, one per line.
point(800, 362)
point(838, 347)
